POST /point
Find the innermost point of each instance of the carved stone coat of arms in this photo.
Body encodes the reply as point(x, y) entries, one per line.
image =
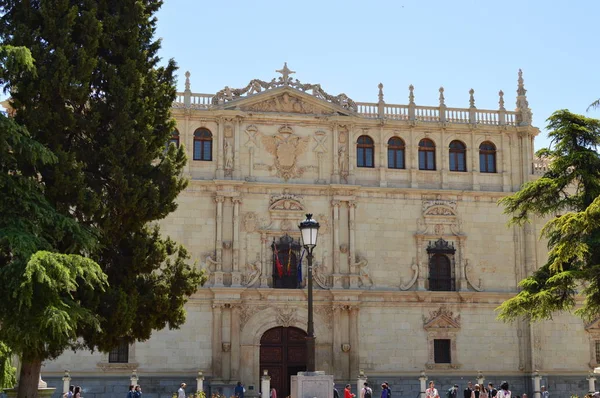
point(286, 147)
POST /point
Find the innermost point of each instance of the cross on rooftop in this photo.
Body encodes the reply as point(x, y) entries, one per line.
point(285, 72)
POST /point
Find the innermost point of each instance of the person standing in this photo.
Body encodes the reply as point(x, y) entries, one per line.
point(137, 393)
point(348, 392)
point(366, 391)
point(452, 392)
point(131, 391)
point(545, 393)
point(336, 394)
point(476, 391)
point(181, 391)
point(468, 392)
point(69, 394)
point(389, 390)
point(239, 390)
point(491, 390)
point(384, 391)
point(77, 392)
point(504, 392)
point(273, 393)
point(432, 392)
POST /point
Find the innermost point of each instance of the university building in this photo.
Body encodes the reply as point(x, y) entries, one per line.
point(414, 254)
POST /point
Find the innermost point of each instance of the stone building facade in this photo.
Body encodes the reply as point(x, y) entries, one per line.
point(414, 253)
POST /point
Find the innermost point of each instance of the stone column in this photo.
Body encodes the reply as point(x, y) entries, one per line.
point(237, 172)
point(412, 158)
point(337, 281)
point(219, 237)
point(480, 379)
point(200, 382)
point(445, 163)
point(337, 341)
point(354, 340)
point(459, 265)
point(423, 384)
point(351, 156)
point(217, 337)
point(235, 342)
point(591, 383)
point(382, 157)
point(422, 270)
point(264, 255)
point(360, 381)
point(265, 384)
point(335, 176)
point(220, 133)
point(474, 163)
point(236, 276)
point(354, 273)
point(66, 382)
point(536, 385)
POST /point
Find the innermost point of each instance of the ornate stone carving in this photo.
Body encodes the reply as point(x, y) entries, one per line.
point(468, 271)
point(256, 86)
point(442, 318)
point(343, 161)
point(344, 248)
point(286, 316)
point(228, 130)
point(362, 265)
point(253, 272)
point(326, 313)
point(253, 135)
point(321, 273)
point(226, 347)
point(415, 267)
point(324, 223)
point(346, 347)
point(250, 220)
point(439, 207)
point(286, 147)
point(287, 103)
point(320, 138)
point(228, 155)
point(248, 311)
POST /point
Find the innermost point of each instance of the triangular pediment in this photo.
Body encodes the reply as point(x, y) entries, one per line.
point(593, 325)
point(286, 100)
point(441, 319)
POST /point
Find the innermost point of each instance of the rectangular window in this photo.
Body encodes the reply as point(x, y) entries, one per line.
point(360, 162)
point(391, 159)
point(597, 351)
point(197, 150)
point(119, 354)
point(369, 157)
point(207, 155)
point(441, 351)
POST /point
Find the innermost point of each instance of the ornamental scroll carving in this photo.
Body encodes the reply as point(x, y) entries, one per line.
point(286, 147)
point(442, 318)
point(287, 103)
point(286, 316)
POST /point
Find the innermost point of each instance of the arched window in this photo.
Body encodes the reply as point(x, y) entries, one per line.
point(487, 157)
point(365, 151)
point(174, 138)
point(426, 154)
point(202, 144)
point(458, 156)
point(395, 153)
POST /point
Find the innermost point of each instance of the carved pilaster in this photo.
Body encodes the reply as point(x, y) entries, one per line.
point(421, 261)
point(219, 238)
point(337, 341)
point(235, 342)
point(266, 265)
point(220, 142)
point(337, 282)
point(352, 235)
point(382, 157)
point(217, 337)
point(236, 278)
point(354, 340)
point(335, 176)
point(237, 135)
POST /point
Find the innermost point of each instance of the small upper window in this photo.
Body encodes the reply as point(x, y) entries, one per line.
point(202, 144)
point(396, 153)
point(487, 157)
point(365, 152)
point(119, 354)
point(458, 156)
point(426, 154)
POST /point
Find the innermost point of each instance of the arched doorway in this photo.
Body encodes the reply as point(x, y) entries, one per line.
point(283, 354)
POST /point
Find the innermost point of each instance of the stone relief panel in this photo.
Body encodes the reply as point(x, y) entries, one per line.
point(442, 324)
point(287, 103)
point(286, 147)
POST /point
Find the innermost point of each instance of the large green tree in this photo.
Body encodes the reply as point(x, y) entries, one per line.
point(569, 195)
point(39, 310)
point(101, 103)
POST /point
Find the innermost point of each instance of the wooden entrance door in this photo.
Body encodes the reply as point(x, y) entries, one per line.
point(283, 354)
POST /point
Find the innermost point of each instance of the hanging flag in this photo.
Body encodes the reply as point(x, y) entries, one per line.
point(289, 268)
point(299, 273)
point(277, 262)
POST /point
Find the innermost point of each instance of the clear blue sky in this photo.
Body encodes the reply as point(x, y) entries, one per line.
point(351, 46)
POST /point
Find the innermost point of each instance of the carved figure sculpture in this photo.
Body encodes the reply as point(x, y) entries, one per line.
point(253, 272)
point(228, 156)
point(342, 161)
point(362, 265)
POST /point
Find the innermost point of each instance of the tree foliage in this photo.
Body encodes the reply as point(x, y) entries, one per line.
point(97, 117)
point(569, 192)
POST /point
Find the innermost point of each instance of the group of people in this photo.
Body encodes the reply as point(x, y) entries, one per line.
point(74, 392)
point(134, 391)
point(365, 392)
point(478, 391)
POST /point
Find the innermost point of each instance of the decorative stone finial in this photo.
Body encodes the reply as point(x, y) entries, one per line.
point(380, 92)
point(411, 94)
point(472, 98)
point(524, 114)
point(501, 100)
point(187, 81)
point(442, 99)
point(285, 73)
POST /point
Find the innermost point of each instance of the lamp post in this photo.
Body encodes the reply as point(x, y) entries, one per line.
point(309, 229)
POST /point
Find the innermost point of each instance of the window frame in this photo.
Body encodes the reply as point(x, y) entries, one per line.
point(394, 150)
point(362, 159)
point(426, 150)
point(444, 357)
point(454, 154)
point(119, 354)
point(485, 154)
point(201, 137)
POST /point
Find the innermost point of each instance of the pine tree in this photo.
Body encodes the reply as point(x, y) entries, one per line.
point(101, 103)
point(569, 194)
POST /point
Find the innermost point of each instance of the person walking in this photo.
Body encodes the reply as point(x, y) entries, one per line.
point(181, 391)
point(491, 390)
point(239, 390)
point(366, 391)
point(452, 392)
point(384, 391)
point(545, 393)
point(348, 392)
point(131, 391)
point(468, 391)
point(77, 392)
point(432, 392)
point(137, 393)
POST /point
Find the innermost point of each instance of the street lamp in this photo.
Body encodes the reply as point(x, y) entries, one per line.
point(309, 229)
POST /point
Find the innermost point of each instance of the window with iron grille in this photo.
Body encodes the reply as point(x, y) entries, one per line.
point(119, 354)
point(441, 351)
point(597, 351)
